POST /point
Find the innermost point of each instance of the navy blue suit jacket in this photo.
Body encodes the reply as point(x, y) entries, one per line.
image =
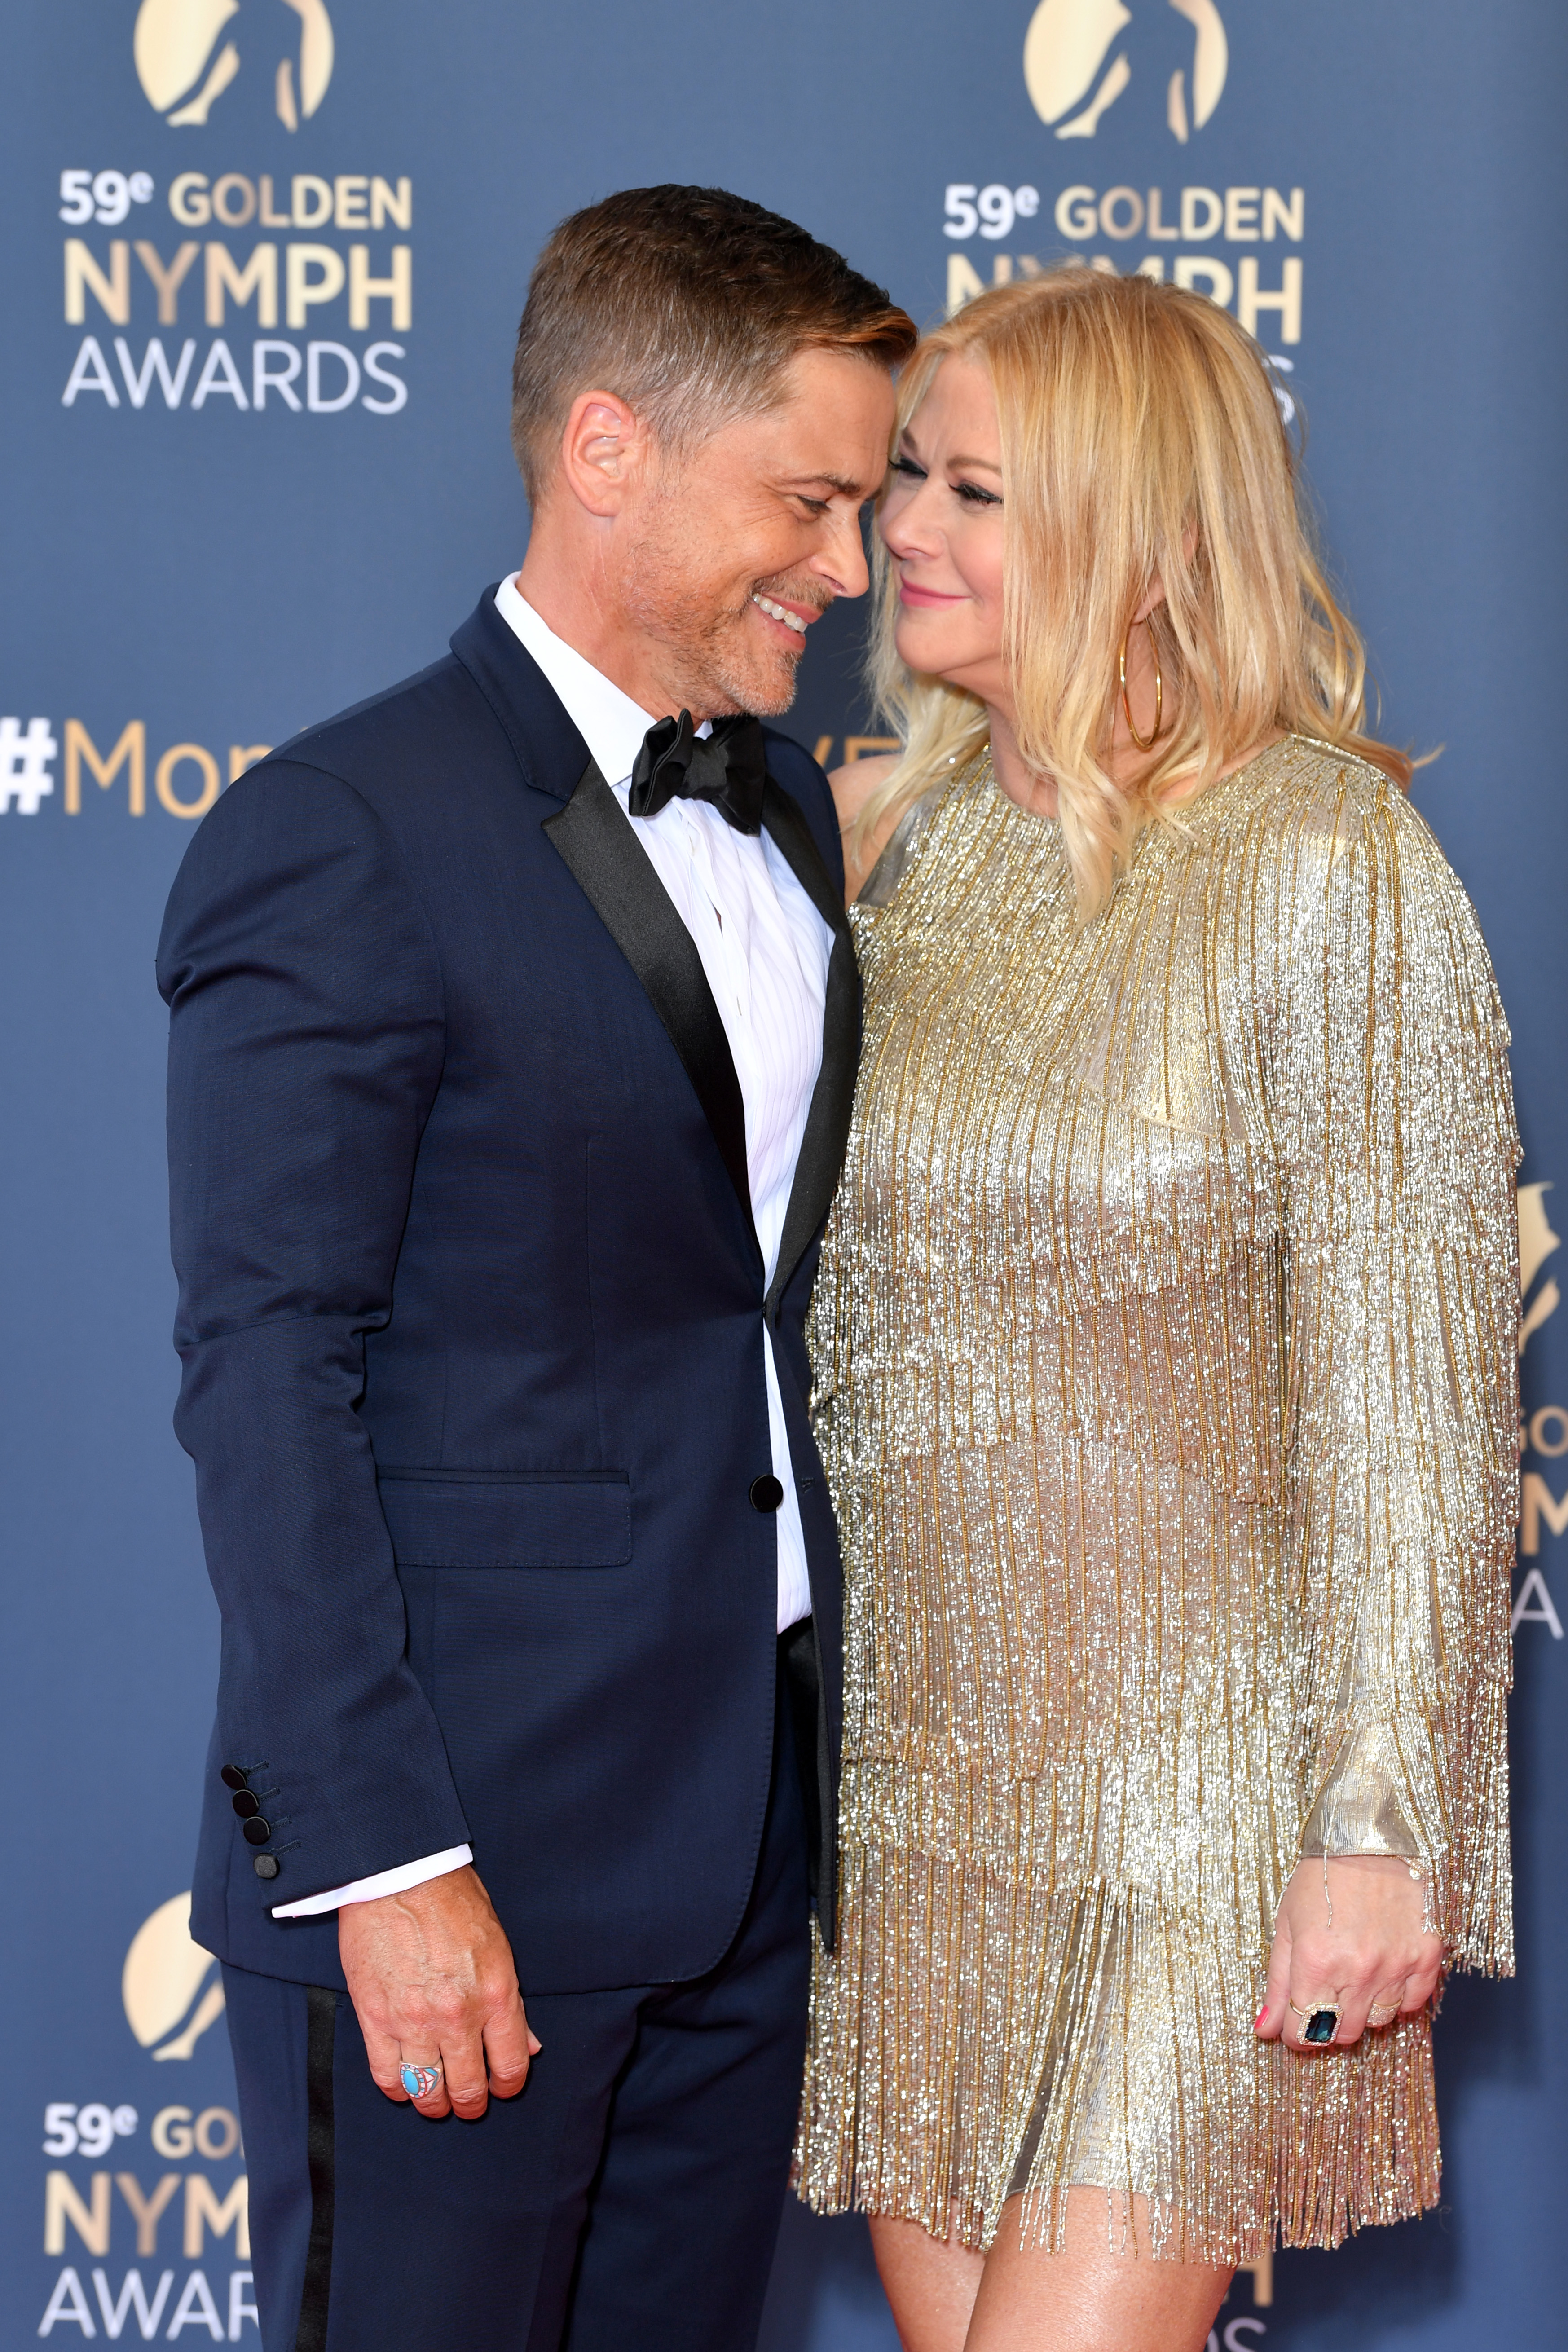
point(471, 1316)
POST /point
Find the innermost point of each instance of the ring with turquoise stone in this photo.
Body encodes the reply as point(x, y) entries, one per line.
point(421, 2081)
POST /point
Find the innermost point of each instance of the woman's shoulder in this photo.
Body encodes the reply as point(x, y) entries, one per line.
point(1349, 851)
point(1320, 803)
point(852, 787)
point(853, 784)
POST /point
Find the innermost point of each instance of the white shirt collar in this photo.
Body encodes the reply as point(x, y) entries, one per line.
point(610, 723)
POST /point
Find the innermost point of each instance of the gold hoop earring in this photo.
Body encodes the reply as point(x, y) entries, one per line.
point(1145, 742)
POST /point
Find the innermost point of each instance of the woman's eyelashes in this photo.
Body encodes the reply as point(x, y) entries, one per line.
point(972, 494)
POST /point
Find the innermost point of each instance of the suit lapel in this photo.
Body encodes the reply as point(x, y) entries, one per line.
point(833, 1099)
point(592, 836)
point(598, 845)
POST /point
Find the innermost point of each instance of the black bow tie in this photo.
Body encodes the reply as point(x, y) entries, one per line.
point(728, 767)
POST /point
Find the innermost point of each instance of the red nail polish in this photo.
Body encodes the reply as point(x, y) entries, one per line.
point(1260, 2016)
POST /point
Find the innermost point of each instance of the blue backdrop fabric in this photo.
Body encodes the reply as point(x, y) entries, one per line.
point(262, 268)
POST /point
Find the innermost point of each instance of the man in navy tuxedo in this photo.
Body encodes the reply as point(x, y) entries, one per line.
point(514, 1025)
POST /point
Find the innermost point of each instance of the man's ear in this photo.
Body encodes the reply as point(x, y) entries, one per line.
point(605, 452)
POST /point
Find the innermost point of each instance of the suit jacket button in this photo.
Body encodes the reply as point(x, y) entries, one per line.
point(766, 1492)
point(232, 1777)
point(267, 1865)
point(245, 1805)
point(256, 1831)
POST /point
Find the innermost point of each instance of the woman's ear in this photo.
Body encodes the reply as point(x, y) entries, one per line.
point(1156, 594)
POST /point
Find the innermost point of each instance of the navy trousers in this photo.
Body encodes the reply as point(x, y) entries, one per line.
point(627, 2200)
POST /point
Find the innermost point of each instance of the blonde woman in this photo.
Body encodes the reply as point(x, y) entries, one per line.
point(1165, 1338)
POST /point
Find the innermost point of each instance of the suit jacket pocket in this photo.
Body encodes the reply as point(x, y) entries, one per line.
point(456, 1518)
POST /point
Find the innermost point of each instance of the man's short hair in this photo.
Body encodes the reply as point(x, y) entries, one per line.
point(686, 303)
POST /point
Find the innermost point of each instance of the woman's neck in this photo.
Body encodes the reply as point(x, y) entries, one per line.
point(1038, 793)
point(1014, 777)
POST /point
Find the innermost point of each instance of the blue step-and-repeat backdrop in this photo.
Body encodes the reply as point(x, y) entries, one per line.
point(262, 266)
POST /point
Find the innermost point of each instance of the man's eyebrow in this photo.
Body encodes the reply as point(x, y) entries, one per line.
point(843, 483)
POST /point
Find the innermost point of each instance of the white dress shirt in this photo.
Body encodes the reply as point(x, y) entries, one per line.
point(765, 952)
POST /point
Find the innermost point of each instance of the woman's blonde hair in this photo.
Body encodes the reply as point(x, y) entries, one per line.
point(1140, 437)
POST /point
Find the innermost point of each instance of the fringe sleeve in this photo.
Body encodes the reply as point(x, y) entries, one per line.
point(1394, 1132)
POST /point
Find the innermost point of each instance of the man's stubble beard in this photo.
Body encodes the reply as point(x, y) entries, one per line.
point(717, 664)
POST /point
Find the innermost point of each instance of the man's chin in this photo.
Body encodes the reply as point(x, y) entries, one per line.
point(766, 688)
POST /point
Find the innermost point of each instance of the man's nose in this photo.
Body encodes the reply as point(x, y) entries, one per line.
point(843, 558)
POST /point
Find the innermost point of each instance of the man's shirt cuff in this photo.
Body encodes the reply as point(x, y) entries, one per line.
point(386, 1882)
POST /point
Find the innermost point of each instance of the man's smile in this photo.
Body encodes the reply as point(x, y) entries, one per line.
point(791, 616)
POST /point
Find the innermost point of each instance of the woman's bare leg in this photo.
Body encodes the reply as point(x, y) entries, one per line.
point(1095, 2295)
point(1098, 2294)
point(931, 2286)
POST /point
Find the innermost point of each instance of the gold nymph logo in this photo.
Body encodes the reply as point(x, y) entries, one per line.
point(1536, 1242)
point(170, 1987)
point(182, 69)
point(1068, 54)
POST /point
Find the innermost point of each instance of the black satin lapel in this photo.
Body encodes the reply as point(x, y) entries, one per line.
point(593, 837)
point(833, 1100)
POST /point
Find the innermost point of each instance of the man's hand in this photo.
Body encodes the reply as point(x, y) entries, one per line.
point(1372, 1962)
point(431, 1977)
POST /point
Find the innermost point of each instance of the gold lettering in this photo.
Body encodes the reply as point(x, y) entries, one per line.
point(1251, 301)
point(312, 200)
point(1196, 231)
point(233, 186)
point(258, 279)
point(189, 201)
point(397, 290)
point(61, 2204)
point(385, 207)
point(1276, 213)
point(167, 282)
point(113, 294)
point(1241, 215)
point(129, 752)
point(303, 290)
point(245, 755)
point(348, 190)
point(202, 2208)
point(963, 282)
point(1537, 1503)
point(147, 2211)
point(266, 218)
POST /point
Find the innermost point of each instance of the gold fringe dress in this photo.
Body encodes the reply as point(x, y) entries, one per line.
point(1165, 1346)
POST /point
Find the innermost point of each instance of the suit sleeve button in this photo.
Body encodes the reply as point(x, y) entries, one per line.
point(766, 1493)
point(232, 1777)
point(256, 1831)
point(267, 1865)
point(245, 1805)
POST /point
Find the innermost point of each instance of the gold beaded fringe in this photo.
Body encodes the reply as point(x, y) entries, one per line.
point(1165, 1349)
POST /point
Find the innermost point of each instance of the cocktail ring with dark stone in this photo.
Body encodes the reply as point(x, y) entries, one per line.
point(1318, 2026)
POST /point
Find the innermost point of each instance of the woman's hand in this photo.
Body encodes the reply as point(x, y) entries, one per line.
point(1370, 1960)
